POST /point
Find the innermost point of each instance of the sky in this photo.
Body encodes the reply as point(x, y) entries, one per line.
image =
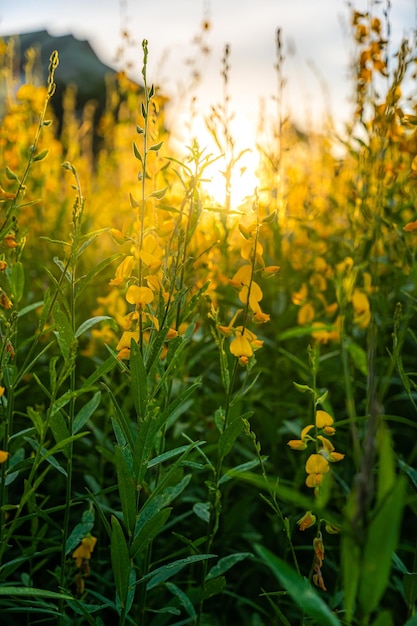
point(315, 36)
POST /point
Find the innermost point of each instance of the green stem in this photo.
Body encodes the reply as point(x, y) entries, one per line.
point(76, 222)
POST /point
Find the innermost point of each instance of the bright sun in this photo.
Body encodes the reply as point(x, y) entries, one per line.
point(244, 180)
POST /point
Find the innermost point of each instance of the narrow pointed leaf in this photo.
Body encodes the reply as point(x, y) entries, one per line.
point(120, 561)
point(300, 590)
point(85, 413)
point(381, 542)
point(127, 490)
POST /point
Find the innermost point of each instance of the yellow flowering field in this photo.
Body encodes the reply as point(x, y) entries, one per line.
point(208, 411)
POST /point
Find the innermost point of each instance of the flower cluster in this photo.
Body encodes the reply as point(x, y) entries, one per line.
point(317, 467)
point(318, 463)
point(245, 342)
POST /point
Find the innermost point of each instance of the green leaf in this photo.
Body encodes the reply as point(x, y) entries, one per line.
point(41, 155)
point(89, 323)
point(303, 388)
point(100, 372)
point(145, 441)
point(137, 153)
point(231, 433)
point(97, 270)
point(157, 146)
point(410, 587)
point(11, 591)
point(86, 412)
point(213, 587)
point(58, 447)
point(284, 492)
point(59, 428)
point(384, 619)
point(202, 510)
point(243, 467)
point(127, 490)
point(11, 175)
point(120, 561)
point(183, 599)
point(163, 573)
point(139, 380)
point(64, 332)
point(381, 541)
point(386, 474)
point(150, 529)
point(122, 420)
point(226, 563)
point(37, 420)
point(166, 456)
point(351, 568)
point(170, 610)
point(133, 202)
point(80, 531)
point(45, 454)
point(170, 413)
point(299, 589)
point(156, 502)
point(159, 194)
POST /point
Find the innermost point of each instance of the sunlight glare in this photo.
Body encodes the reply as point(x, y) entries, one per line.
point(244, 179)
point(243, 182)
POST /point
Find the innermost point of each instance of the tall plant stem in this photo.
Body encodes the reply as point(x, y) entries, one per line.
point(78, 209)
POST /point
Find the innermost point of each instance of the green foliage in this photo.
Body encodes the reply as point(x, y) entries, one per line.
point(178, 413)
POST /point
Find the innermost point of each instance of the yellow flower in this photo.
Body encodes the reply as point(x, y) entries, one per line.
point(126, 339)
point(323, 419)
point(247, 250)
point(300, 444)
point(10, 241)
point(314, 480)
point(240, 346)
point(84, 550)
point(254, 295)
point(300, 296)
point(117, 235)
point(123, 347)
point(140, 296)
point(323, 335)
point(410, 227)
point(171, 334)
point(261, 317)
point(271, 270)
point(335, 457)
point(123, 271)
point(305, 314)
point(361, 307)
point(242, 276)
point(124, 354)
point(307, 520)
point(317, 464)
point(248, 229)
point(3, 456)
point(328, 451)
point(151, 253)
